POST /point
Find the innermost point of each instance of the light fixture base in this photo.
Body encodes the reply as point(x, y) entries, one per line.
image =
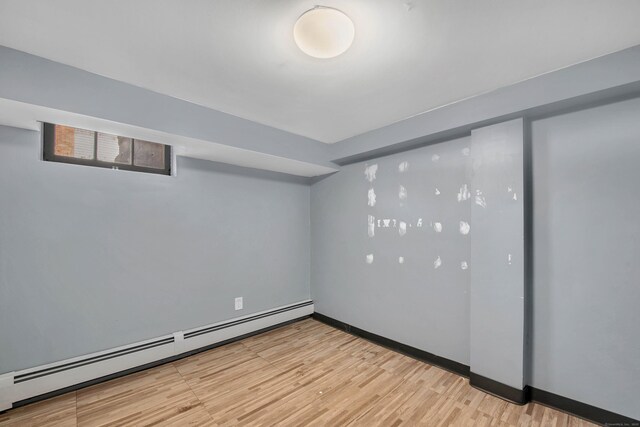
point(324, 32)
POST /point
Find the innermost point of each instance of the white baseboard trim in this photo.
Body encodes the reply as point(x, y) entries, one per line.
point(29, 383)
point(6, 385)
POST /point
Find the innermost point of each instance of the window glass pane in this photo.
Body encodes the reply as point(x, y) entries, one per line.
point(71, 145)
point(72, 142)
point(148, 154)
point(114, 149)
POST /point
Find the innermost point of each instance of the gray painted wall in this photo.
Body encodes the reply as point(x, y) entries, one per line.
point(170, 253)
point(34, 80)
point(412, 303)
point(613, 75)
point(586, 321)
point(92, 258)
point(497, 253)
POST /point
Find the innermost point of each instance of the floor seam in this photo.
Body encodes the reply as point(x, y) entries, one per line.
point(377, 400)
point(193, 392)
point(311, 375)
point(76, 398)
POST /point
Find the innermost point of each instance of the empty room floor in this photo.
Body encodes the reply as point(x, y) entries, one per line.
point(305, 373)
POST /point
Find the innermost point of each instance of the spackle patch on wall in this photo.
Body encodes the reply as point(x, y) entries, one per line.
point(510, 190)
point(480, 200)
point(419, 225)
point(464, 228)
point(402, 193)
point(371, 226)
point(409, 4)
point(370, 172)
point(464, 193)
point(402, 228)
point(371, 196)
point(509, 259)
point(437, 263)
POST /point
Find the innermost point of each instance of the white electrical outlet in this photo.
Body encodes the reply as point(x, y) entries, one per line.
point(239, 303)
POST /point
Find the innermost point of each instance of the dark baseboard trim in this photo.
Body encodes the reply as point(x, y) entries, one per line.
point(503, 391)
point(148, 365)
point(582, 410)
point(564, 404)
point(432, 359)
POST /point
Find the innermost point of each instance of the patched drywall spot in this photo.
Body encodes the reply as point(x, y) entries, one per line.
point(464, 265)
point(464, 228)
point(371, 196)
point(419, 224)
point(437, 263)
point(402, 193)
point(437, 192)
point(402, 228)
point(515, 195)
point(480, 200)
point(409, 4)
point(509, 259)
point(437, 227)
point(370, 259)
point(400, 260)
point(403, 167)
point(370, 172)
point(435, 158)
point(371, 227)
point(466, 151)
point(464, 193)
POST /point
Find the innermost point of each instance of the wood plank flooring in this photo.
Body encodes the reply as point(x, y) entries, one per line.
point(303, 374)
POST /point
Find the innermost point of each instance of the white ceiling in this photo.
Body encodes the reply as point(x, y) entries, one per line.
point(238, 56)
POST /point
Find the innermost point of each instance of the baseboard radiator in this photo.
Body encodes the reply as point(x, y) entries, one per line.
point(45, 381)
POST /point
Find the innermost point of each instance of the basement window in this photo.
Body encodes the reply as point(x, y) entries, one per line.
point(86, 147)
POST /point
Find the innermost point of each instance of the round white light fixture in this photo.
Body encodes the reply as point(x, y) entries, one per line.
point(323, 32)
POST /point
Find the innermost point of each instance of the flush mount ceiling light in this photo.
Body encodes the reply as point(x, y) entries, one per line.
point(323, 32)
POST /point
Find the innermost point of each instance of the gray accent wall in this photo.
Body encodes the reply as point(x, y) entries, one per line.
point(93, 258)
point(497, 253)
point(412, 302)
point(586, 229)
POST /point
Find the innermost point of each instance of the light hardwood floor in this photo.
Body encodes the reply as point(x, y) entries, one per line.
point(306, 373)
